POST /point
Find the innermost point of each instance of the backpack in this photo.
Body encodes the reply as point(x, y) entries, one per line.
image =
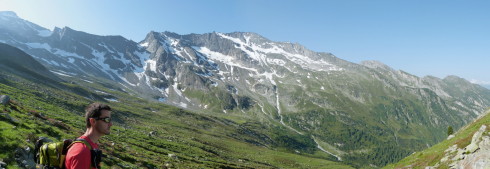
point(51, 155)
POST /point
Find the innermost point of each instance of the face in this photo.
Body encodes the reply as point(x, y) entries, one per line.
point(101, 126)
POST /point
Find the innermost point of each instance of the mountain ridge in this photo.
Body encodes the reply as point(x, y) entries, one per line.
point(357, 110)
point(144, 134)
point(16, 61)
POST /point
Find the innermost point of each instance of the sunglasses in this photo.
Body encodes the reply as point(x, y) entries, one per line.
point(106, 119)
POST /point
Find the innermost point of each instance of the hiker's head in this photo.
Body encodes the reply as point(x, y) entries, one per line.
point(96, 111)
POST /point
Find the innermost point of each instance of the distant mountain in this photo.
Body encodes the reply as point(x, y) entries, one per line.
point(16, 61)
point(486, 86)
point(67, 50)
point(362, 114)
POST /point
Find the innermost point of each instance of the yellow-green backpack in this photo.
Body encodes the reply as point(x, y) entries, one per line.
point(52, 154)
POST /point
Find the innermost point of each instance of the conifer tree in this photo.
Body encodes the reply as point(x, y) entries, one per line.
point(450, 130)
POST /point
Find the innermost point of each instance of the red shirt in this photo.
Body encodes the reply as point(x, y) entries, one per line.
point(78, 156)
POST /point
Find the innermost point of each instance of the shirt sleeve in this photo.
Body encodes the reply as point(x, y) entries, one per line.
point(78, 157)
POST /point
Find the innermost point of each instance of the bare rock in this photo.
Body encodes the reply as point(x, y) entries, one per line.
point(4, 99)
point(173, 156)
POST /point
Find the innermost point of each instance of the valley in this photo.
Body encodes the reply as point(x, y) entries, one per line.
point(223, 100)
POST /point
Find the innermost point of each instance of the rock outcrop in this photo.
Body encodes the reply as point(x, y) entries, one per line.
point(4, 99)
point(477, 154)
point(474, 156)
point(25, 158)
point(3, 165)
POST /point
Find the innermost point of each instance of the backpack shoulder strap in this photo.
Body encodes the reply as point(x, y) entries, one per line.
point(81, 140)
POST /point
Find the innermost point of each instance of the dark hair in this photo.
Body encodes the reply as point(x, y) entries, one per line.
point(94, 110)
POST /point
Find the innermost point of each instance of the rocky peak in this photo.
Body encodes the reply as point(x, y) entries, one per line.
point(60, 33)
point(171, 34)
point(230, 72)
point(250, 38)
point(19, 29)
point(457, 80)
point(373, 64)
point(8, 14)
point(153, 37)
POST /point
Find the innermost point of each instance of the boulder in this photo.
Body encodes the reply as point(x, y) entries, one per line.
point(450, 150)
point(152, 133)
point(471, 148)
point(478, 152)
point(8, 117)
point(168, 165)
point(173, 156)
point(25, 158)
point(477, 136)
point(3, 164)
point(4, 99)
point(475, 141)
point(485, 143)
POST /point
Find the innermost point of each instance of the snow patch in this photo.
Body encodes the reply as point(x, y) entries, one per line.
point(52, 62)
point(177, 91)
point(254, 54)
point(229, 60)
point(44, 33)
point(214, 84)
point(39, 46)
point(71, 60)
point(258, 53)
point(270, 77)
point(101, 92)
point(279, 62)
point(162, 99)
point(88, 81)
point(105, 46)
point(111, 100)
point(181, 104)
point(61, 74)
point(145, 44)
point(152, 64)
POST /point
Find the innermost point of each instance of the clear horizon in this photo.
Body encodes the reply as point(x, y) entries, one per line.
point(437, 38)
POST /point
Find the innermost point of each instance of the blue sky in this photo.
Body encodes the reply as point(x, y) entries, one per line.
point(421, 37)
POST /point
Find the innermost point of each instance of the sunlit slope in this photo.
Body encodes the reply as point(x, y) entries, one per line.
point(452, 152)
point(145, 134)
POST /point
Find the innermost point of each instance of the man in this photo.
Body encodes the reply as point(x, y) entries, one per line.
point(98, 119)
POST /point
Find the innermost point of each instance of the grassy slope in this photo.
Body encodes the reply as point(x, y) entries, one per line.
point(434, 154)
point(373, 130)
point(197, 140)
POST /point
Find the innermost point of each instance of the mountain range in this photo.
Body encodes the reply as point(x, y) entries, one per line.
point(363, 115)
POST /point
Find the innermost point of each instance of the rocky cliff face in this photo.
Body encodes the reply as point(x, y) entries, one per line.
point(476, 155)
point(369, 113)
